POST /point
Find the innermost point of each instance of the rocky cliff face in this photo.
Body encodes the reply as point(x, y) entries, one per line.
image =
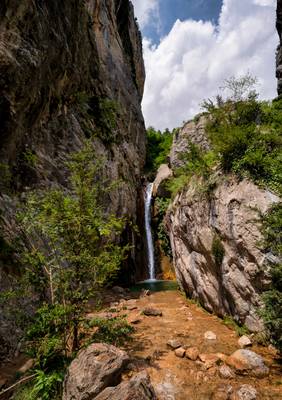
point(70, 70)
point(215, 241)
point(279, 50)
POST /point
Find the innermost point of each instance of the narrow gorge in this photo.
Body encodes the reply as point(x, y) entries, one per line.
point(135, 264)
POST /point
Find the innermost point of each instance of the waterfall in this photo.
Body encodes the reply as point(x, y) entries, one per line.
point(150, 243)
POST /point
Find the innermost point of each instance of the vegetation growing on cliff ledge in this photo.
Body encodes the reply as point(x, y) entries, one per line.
point(158, 148)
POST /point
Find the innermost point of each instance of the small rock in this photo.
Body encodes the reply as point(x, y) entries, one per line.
point(131, 307)
point(209, 335)
point(174, 343)
point(145, 292)
point(222, 356)
point(192, 353)
point(151, 312)
point(248, 362)
point(209, 359)
point(118, 290)
point(134, 320)
point(201, 365)
point(244, 341)
point(180, 352)
point(246, 392)
point(223, 392)
point(226, 372)
point(27, 365)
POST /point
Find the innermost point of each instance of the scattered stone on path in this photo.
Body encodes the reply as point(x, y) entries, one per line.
point(95, 368)
point(226, 372)
point(180, 352)
point(222, 392)
point(244, 341)
point(209, 335)
point(174, 343)
point(222, 356)
point(248, 362)
point(245, 392)
point(192, 353)
point(152, 312)
point(131, 307)
point(139, 387)
point(134, 319)
point(202, 366)
point(209, 359)
point(144, 293)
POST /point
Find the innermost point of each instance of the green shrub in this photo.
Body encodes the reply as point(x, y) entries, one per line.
point(158, 148)
point(113, 331)
point(218, 251)
point(232, 324)
point(272, 312)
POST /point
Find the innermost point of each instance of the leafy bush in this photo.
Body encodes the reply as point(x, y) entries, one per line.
point(158, 148)
point(113, 331)
point(272, 312)
point(199, 165)
point(217, 250)
point(162, 205)
point(43, 387)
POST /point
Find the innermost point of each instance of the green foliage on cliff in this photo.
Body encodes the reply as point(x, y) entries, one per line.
point(272, 313)
point(218, 250)
point(199, 166)
point(247, 139)
point(161, 205)
point(158, 148)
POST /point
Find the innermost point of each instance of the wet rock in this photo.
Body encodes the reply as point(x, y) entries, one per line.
point(137, 388)
point(152, 312)
point(180, 352)
point(192, 353)
point(248, 362)
point(96, 367)
point(226, 372)
point(174, 343)
point(159, 186)
point(245, 392)
point(209, 335)
point(209, 359)
point(244, 341)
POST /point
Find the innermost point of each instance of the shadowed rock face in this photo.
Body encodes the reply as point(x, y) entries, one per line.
point(71, 70)
point(279, 50)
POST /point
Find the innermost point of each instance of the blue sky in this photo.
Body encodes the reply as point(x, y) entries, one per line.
point(171, 10)
point(191, 46)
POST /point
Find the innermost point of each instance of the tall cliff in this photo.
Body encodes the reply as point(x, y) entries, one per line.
point(279, 50)
point(216, 239)
point(70, 70)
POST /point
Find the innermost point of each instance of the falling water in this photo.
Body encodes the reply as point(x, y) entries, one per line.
point(150, 243)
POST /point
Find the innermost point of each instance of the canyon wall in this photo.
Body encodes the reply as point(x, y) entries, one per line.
point(69, 70)
point(216, 240)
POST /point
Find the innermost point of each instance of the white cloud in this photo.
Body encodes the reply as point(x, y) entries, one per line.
point(191, 62)
point(145, 10)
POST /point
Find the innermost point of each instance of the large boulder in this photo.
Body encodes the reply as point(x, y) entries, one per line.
point(248, 362)
point(138, 388)
point(95, 368)
point(163, 174)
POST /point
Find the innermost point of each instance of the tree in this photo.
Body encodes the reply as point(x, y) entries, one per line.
point(70, 251)
point(241, 88)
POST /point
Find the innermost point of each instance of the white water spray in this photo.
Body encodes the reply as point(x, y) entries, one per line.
point(150, 243)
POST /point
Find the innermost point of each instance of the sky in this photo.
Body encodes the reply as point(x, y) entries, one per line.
point(191, 46)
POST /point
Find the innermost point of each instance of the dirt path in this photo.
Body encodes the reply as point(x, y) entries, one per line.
point(180, 378)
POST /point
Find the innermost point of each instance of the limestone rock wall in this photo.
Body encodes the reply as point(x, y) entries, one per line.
point(64, 66)
point(230, 217)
